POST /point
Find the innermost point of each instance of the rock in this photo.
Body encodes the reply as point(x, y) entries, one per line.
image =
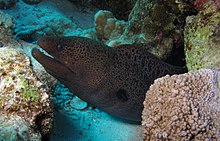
point(22, 94)
point(41, 20)
point(202, 37)
point(7, 24)
point(78, 104)
point(15, 128)
point(107, 26)
point(150, 22)
point(183, 107)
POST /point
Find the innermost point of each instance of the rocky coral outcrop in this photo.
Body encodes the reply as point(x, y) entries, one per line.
point(158, 23)
point(15, 128)
point(183, 107)
point(42, 20)
point(108, 27)
point(7, 24)
point(202, 36)
point(22, 93)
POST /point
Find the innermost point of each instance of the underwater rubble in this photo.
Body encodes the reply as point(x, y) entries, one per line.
point(178, 107)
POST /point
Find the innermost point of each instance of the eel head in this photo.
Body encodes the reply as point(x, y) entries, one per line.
point(56, 63)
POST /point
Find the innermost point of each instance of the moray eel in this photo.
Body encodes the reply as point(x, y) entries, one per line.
point(114, 80)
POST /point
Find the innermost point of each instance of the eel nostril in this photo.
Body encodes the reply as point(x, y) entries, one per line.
point(59, 47)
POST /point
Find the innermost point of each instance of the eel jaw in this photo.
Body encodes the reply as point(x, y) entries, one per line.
point(53, 66)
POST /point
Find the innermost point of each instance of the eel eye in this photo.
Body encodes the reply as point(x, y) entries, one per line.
point(59, 47)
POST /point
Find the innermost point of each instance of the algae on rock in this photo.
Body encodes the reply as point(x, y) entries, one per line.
point(202, 37)
point(22, 94)
point(15, 128)
point(7, 24)
point(158, 24)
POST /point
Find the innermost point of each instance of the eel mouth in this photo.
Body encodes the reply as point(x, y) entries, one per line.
point(52, 65)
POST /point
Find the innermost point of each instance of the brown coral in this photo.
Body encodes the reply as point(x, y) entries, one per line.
point(183, 107)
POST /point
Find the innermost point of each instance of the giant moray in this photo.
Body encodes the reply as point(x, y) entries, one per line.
point(112, 79)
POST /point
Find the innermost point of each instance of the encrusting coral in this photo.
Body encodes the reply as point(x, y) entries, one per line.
point(183, 107)
point(108, 27)
point(22, 93)
point(202, 36)
point(7, 24)
point(159, 23)
point(15, 128)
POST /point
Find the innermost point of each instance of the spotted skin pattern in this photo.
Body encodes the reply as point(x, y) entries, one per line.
point(112, 79)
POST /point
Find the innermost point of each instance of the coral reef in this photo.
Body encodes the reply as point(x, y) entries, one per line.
point(42, 20)
point(152, 23)
point(32, 1)
point(7, 24)
point(21, 92)
point(202, 37)
point(108, 27)
point(15, 128)
point(6, 4)
point(183, 107)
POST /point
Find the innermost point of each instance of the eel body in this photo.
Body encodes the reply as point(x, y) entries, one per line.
point(114, 80)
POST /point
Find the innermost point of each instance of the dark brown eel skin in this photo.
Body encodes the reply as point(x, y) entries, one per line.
point(114, 80)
